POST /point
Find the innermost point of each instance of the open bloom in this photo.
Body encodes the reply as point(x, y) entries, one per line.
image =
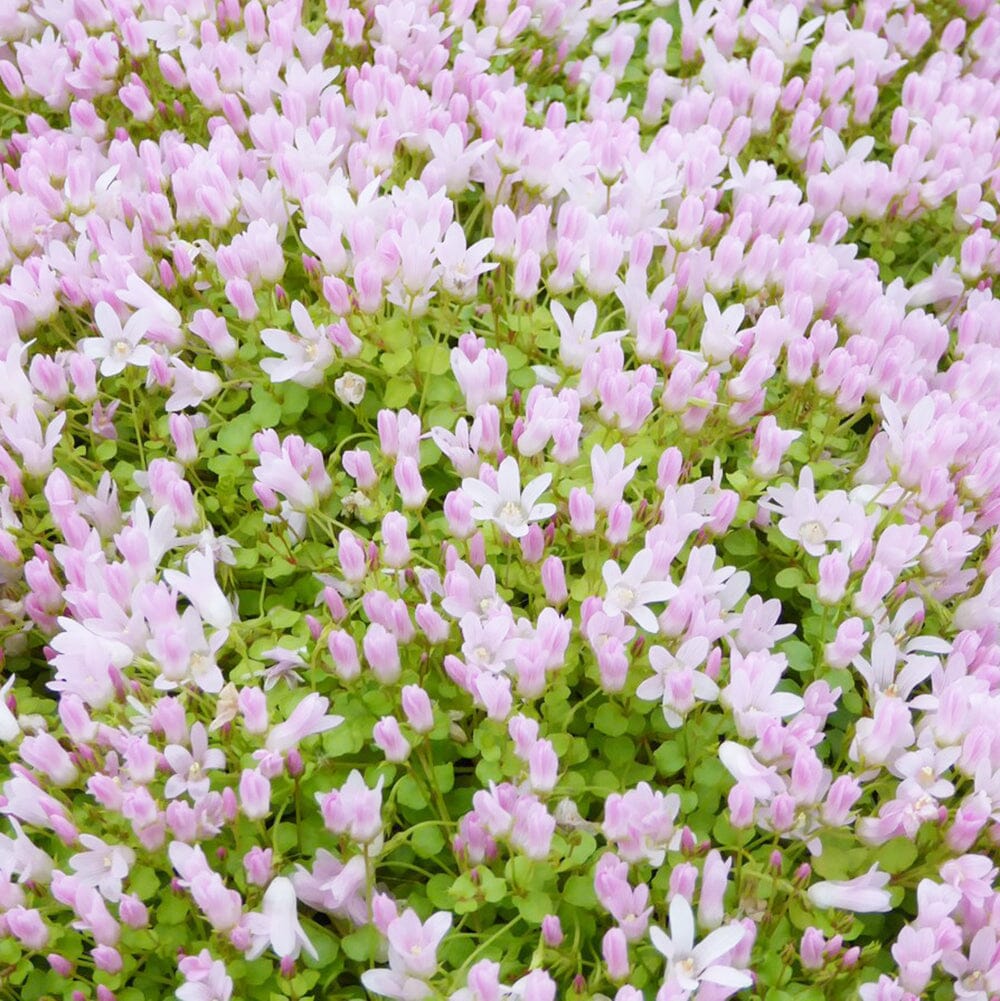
point(511, 509)
point(412, 956)
point(630, 592)
point(688, 965)
point(277, 923)
point(677, 682)
point(103, 866)
point(189, 767)
point(118, 346)
point(305, 357)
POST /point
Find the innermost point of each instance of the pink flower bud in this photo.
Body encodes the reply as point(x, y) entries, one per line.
point(433, 626)
point(252, 703)
point(351, 555)
point(258, 865)
point(344, 652)
point(382, 653)
point(411, 486)
point(581, 511)
point(358, 464)
point(619, 523)
point(60, 964)
point(255, 794)
point(27, 926)
point(533, 544)
point(418, 709)
point(107, 958)
point(614, 948)
point(552, 932)
point(741, 807)
point(458, 512)
point(133, 911)
point(554, 581)
point(396, 546)
point(970, 818)
point(390, 739)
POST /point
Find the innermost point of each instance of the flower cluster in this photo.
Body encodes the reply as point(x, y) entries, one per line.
point(499, 499)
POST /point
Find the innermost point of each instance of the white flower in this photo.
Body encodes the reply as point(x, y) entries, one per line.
point(576, 336)
point(350, 389)
point(118, 346)
point(277, 924)
point(630, 592)
point(688, 965)
point(508, 506)
point(103, 866)
point(677, 682)
point(9, 728)
point(305, 357)
point(863, 895)
point(718, 335)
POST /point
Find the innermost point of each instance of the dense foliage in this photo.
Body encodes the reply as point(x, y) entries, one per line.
point(499, 500)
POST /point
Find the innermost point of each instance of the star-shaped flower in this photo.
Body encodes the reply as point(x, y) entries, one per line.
point(508, 506)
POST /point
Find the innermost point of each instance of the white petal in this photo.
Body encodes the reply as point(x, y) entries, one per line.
point(681, 924)
point(718, 944)
point(661, 942)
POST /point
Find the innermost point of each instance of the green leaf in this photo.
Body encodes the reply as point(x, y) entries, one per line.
point(410, 794)
point(493, 888)
point(789, 578)
point(173, 910)
point(579, 891)
point(235, 437)
point(669, 758)
point(534, 907)
point(143, 882)
point(741, 543)
point(396, 361)
point(439, 891)
point(266, 412)
point(428, 842)
point(398, 392)
point(897, 855)
point(799, 654)
point(610, 720)
point(362, 944)
point(433, 359)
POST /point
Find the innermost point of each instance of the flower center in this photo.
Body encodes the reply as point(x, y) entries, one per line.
point(685, 967)
point(926, 773)
point(813, 532)
point(195, 770)
point(623, 597)
point(122, 349)
point(512, 514)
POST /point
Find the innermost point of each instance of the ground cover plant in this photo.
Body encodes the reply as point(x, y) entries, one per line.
point(498, 500)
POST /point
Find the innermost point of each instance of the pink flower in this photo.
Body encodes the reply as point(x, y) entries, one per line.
point(190, 766)
point(206, 979)
point(354, 809)
point(804, 519)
